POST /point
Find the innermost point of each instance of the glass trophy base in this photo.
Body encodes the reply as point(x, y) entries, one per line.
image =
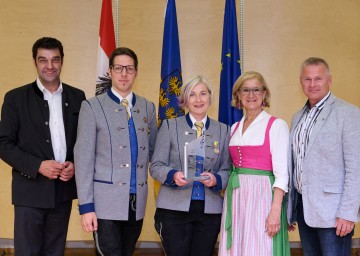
point(198, 178)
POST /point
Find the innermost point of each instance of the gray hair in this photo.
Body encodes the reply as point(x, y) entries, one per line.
point(314, 61)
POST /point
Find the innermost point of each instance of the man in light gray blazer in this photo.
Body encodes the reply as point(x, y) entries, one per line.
point(324, 193)
point(115, 141)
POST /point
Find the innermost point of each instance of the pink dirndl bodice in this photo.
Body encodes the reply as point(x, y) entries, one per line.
point(253, 157)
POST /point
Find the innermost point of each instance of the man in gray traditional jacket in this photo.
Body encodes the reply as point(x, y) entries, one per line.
point(115, 141)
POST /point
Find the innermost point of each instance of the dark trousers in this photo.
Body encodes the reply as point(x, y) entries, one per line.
point(41, 232)
point(192, 233)
point(118, 238)
point(321, 241)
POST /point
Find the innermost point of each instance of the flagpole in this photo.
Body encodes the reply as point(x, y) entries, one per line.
point(107, 44)
point(241, 46)
point(117, 23)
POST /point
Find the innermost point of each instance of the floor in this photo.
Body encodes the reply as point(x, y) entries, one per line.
point(138, 252)
point(144, 252)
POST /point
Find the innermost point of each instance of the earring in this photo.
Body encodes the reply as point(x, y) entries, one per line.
point(263, 104)
point(239, 105)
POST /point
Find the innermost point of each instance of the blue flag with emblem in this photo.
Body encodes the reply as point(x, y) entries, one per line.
point(171, 80)
point(230, 65)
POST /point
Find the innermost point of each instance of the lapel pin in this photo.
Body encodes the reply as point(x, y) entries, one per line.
point(216, 147)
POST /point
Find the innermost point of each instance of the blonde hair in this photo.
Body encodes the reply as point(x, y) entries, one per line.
point(187, 89)
point(235, 102)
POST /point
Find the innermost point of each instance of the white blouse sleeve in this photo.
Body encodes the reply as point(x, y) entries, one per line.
point(279, 144)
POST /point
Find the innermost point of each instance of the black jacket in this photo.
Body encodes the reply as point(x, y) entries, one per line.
point(25, 141)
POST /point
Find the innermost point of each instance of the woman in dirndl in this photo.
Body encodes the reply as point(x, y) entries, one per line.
point(254, 216)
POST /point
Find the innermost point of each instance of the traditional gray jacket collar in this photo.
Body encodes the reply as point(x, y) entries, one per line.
point(117, 100)
point(190, 123)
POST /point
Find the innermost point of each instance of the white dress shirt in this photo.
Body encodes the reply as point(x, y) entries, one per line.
point(56, 121)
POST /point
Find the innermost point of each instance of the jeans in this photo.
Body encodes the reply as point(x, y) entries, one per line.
point(321, 241)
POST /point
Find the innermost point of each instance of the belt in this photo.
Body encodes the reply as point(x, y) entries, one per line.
point(132, 202)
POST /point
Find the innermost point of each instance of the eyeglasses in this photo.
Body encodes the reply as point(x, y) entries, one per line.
point(255, 91)
point(130, 69)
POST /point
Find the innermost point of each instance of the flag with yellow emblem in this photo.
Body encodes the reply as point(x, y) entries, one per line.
point(230, 65)
point(171, 80)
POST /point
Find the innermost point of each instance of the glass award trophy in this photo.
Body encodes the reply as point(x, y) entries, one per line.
point(194, 156)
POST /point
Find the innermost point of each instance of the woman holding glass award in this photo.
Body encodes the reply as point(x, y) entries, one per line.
point(254, 216)
point(191, 161)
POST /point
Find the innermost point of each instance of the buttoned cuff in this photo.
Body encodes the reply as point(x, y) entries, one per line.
point(170, 179)
point(218, 186)
point(85, 208)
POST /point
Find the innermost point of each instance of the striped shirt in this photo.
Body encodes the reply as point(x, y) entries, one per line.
point(301, 136)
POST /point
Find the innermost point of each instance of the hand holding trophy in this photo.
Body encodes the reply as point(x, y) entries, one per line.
point(194, 155)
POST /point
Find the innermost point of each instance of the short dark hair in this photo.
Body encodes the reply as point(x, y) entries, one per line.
point(123, 51)
point(47, 43)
